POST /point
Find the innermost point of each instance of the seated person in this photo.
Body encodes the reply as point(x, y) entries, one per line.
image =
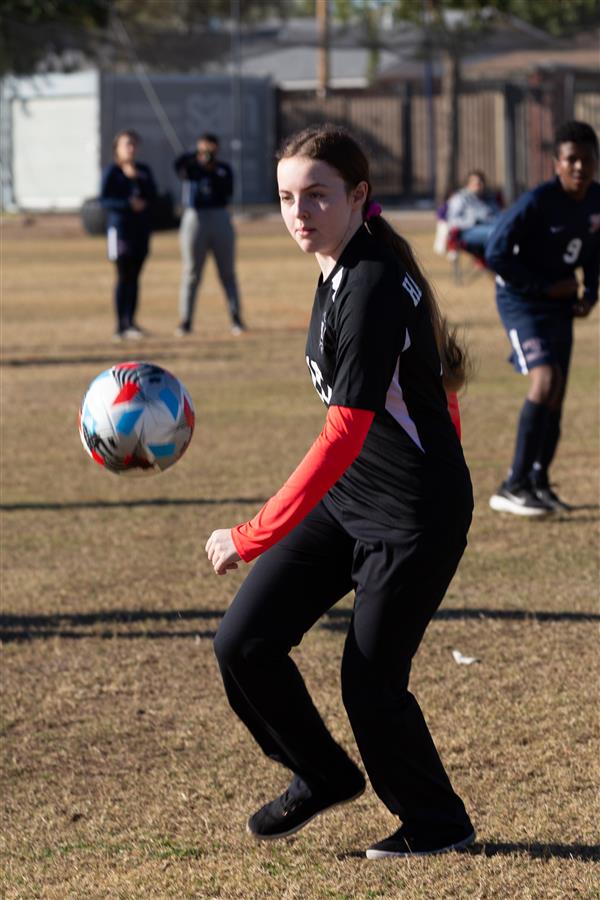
point(473, 212)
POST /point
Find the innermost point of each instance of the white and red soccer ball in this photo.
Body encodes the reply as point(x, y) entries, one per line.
point(136, 418)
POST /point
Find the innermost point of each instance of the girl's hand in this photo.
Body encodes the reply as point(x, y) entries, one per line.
point(221, 551)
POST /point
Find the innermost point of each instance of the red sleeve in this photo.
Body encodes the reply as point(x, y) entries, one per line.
point(334, 450)
point(454, 411)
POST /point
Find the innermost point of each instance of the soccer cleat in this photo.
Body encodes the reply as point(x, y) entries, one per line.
point(295, 808)
point(403, 844)
point(520, 500)
point(550, 498)
point(183, 330)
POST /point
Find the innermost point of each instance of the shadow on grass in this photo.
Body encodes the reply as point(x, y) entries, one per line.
point(50, 505)
point(169, 349)
point(535, 850)
point(79, 626)
point(28, 361)
point(574, 519)
point(128, 504)
point(478, 613)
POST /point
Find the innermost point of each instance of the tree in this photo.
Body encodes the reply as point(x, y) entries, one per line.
point(30, 29)
point(450, 28)
point(560, 18)
point(453, 27)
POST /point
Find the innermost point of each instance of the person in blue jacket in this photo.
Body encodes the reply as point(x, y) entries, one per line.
point(127, 193)
point(537, 247)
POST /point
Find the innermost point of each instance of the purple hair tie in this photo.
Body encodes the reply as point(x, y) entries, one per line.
point(373, 209)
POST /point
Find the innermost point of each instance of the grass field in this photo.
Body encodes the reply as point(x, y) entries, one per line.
point(124, 773)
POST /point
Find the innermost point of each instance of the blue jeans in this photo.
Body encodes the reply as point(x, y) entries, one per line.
point(476, 238)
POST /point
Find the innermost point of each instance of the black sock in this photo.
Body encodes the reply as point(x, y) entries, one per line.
point(547, 449)
point(530, 434)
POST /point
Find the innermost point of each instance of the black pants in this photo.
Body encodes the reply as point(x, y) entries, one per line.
point(399, 582)
point(129, 266)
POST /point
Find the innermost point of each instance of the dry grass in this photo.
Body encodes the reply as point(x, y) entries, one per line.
point(124, 773)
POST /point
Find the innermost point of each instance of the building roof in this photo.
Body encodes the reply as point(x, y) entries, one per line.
point(287, 51)
point(295, 68)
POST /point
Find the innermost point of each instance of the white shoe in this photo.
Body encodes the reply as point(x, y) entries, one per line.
point(520, 501)
point(133, 334)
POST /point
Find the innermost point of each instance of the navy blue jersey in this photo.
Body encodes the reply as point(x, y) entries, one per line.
point(204, 188)
point(131, 228)
point(543, 238)
point(371, 346)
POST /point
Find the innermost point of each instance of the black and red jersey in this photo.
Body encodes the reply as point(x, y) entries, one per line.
point(389, 455)
point(371, 346)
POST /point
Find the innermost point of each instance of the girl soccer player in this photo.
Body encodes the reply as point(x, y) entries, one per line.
point(381, 504)
point(127, 193)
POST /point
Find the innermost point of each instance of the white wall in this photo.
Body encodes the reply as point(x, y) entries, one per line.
point(55, 142)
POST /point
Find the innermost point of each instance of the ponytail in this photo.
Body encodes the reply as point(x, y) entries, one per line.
point(456, 365)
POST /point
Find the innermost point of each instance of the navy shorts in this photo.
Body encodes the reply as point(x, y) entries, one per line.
point(539, 334)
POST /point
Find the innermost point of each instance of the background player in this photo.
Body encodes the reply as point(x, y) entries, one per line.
point(127, 193)
point(380, 504)
point(206, 225)
point(536, 248)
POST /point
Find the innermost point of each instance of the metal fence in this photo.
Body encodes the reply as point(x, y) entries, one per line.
point(506, 129)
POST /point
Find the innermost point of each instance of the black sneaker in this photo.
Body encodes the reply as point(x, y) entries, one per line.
point(294, 809)
point(403, 844)
point(183, 330)
point(519, 499)
point(550, 498)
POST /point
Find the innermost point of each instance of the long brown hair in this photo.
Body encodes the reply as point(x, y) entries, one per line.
point(336, 146)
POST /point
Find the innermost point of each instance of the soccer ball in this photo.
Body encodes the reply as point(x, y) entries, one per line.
point(136, 419)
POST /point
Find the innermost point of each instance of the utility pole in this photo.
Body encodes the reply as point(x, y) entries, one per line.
point(236, 97)
point(427, 14)
point(322, 11)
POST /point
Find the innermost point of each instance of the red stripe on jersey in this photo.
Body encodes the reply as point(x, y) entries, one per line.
point(334, 450)
point(454, 411)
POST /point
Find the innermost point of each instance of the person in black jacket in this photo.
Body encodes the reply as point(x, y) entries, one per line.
point(206, 226)
point(127, 193)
